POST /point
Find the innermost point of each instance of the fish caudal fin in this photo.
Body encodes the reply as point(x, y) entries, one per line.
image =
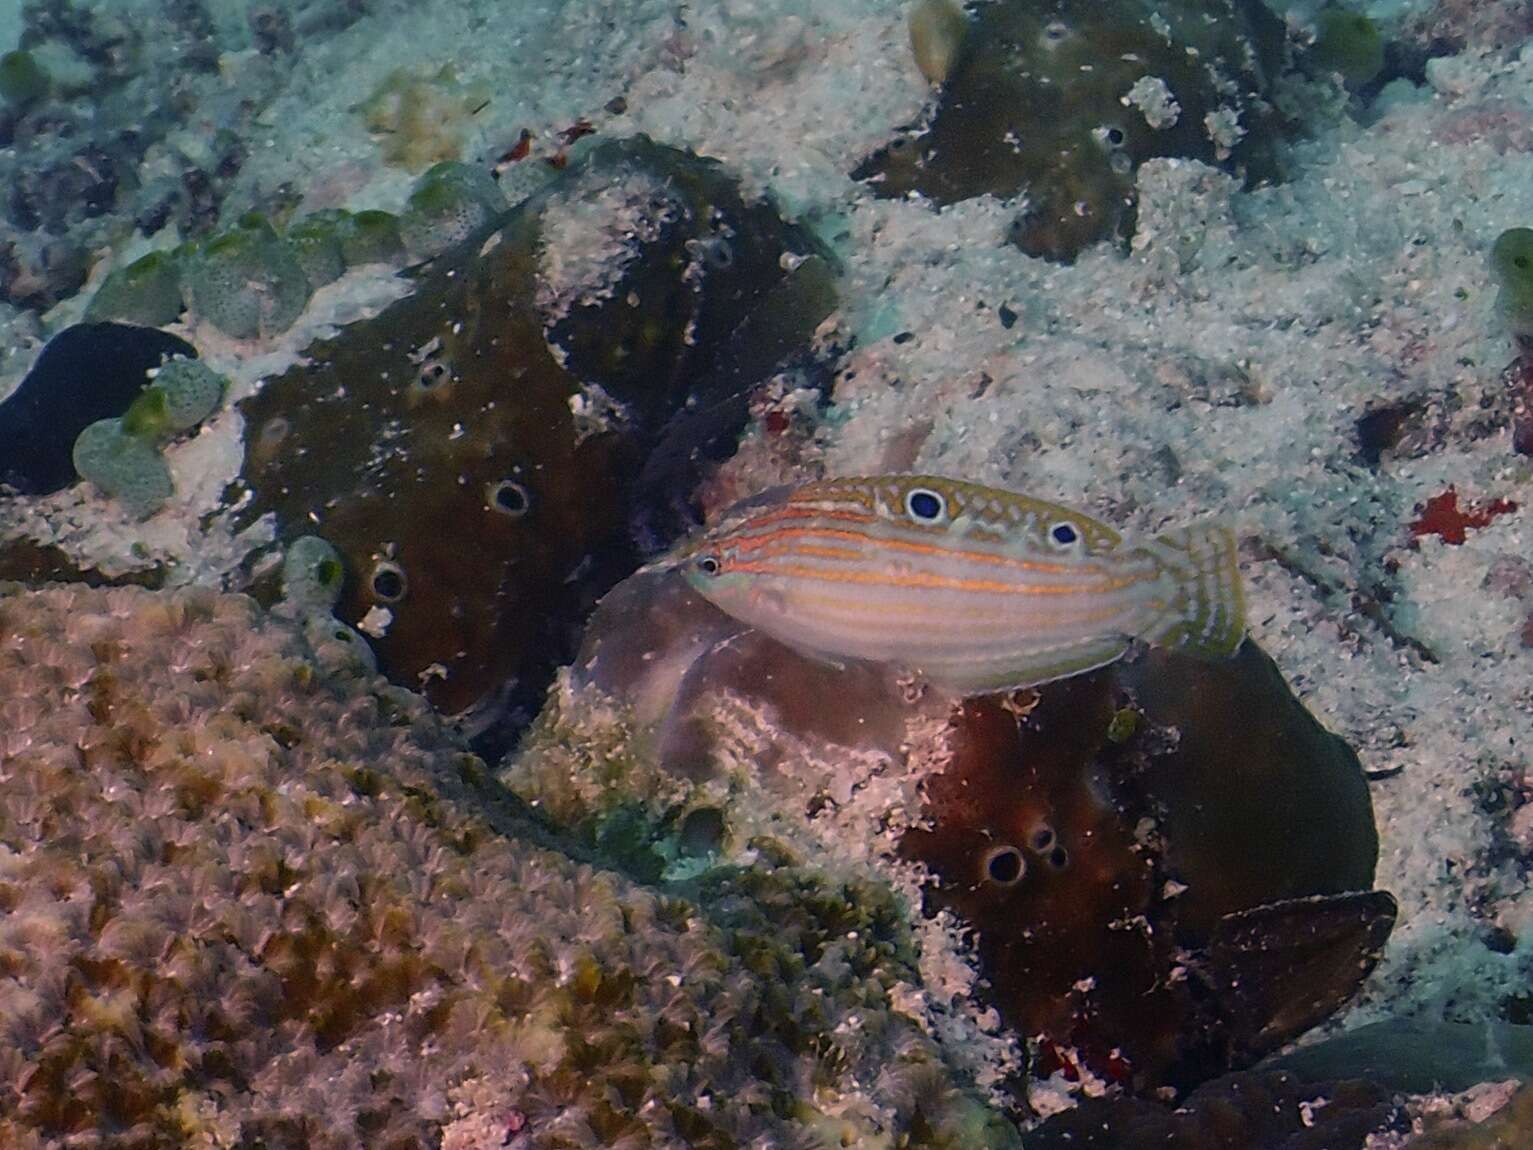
point(1206, 614)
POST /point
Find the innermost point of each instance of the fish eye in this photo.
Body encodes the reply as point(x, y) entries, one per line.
point(509, 498)
point(708, 564)
point(388, 581)
point(925, 505)
point(1064, 535)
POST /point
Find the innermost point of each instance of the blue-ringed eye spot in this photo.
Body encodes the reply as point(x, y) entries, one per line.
point(1064, 535)
point(925, 505)
point(388, 581)
point(708, 564)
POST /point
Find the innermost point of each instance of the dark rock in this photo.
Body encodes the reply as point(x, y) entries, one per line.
point(97, 35)
point(1418, 1055)
point(87, 372)
point(38, 270)
point(1389, 426)
point(1517, 378)
point(272, 30)
point(1249, 1111)
point(79, 184)
point(27, 561)
point(483, 453)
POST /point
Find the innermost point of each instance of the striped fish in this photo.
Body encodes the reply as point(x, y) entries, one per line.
point(974, 588)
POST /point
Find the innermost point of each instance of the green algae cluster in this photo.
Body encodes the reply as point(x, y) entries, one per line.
point(146, 291)
point(1511, 265)
point(251, 281)
point(1348, 43)
point(23, 82)
point(252, 903)
point(449, 203)
point(1061, 101)
point(316, 243)
point(247, 281)
point(121, 456)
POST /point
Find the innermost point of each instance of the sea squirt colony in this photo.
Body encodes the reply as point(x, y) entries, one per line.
point(493, 452)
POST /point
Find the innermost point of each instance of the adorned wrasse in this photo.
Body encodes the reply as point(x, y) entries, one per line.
point(974, 588)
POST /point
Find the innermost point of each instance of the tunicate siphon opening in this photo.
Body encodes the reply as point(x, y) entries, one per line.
point(701, 831)
point(1005, 866)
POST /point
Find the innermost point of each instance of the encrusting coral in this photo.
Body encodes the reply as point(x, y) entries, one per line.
point(244, 902)
point(420, 119)
point(1507, 1129)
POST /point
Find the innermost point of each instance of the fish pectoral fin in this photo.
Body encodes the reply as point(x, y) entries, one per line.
point(1031, 669)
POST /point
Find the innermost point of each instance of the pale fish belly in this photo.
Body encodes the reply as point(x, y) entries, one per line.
point(972, 614)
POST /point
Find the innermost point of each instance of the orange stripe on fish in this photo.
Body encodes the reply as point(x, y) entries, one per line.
point(976, 588)
point(917, 579)
point(762, 539)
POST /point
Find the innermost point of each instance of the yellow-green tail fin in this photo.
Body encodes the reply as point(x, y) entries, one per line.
point(1206, 615)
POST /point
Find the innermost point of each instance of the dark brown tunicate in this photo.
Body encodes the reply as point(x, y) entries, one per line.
point(1216, 835)
point(1039, 102)
point(484, 453)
